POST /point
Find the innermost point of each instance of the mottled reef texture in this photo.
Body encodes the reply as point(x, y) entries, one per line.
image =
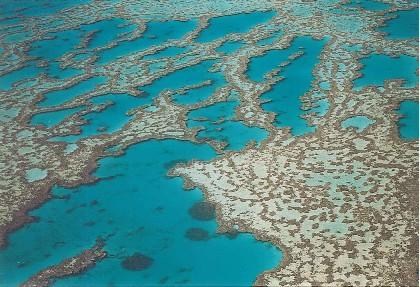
point(77, 264)
point(342, 205)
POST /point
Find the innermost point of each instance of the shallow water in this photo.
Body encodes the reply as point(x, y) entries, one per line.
point(167, 52)
point(358, 122)
point(140, 212)
point(230, 47)
point(238, 23)
point(35, 174)
point(136, 208)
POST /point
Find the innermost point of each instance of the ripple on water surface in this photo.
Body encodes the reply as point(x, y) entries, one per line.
point(146, 219)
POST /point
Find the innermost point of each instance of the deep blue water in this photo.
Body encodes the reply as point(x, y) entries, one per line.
point(31, 70)
point(409, 122)
point(136, 208)
point(107, 31)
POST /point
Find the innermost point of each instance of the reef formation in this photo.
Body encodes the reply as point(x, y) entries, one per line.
point(308, 106)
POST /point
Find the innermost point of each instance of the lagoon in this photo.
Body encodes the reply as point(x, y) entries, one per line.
point(137, 208)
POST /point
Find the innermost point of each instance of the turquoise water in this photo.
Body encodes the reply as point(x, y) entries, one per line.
point(50, 49)
point(368, 5)
point(219, 124)
point(35, 174)
point(167, 52)
point(238, 23)
point(54, 70)
point(50, 119)
point(109, 120)
point(136, 208)
point(358, 122)
point(271, 39)
point(107, 31)
point(27, 72)
point(409, 122)
point(261, 65)
point(322, 108)
point(35, 8)
point(17, 37)
point(192, 75)
point(60, 43)
point(156, 33)
point(230, 47)
point(353, 48)
point(284, 96)
point(31, 70)
point(61, 96)
point(57, 44)
point(404, 26)
point(378, 67)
